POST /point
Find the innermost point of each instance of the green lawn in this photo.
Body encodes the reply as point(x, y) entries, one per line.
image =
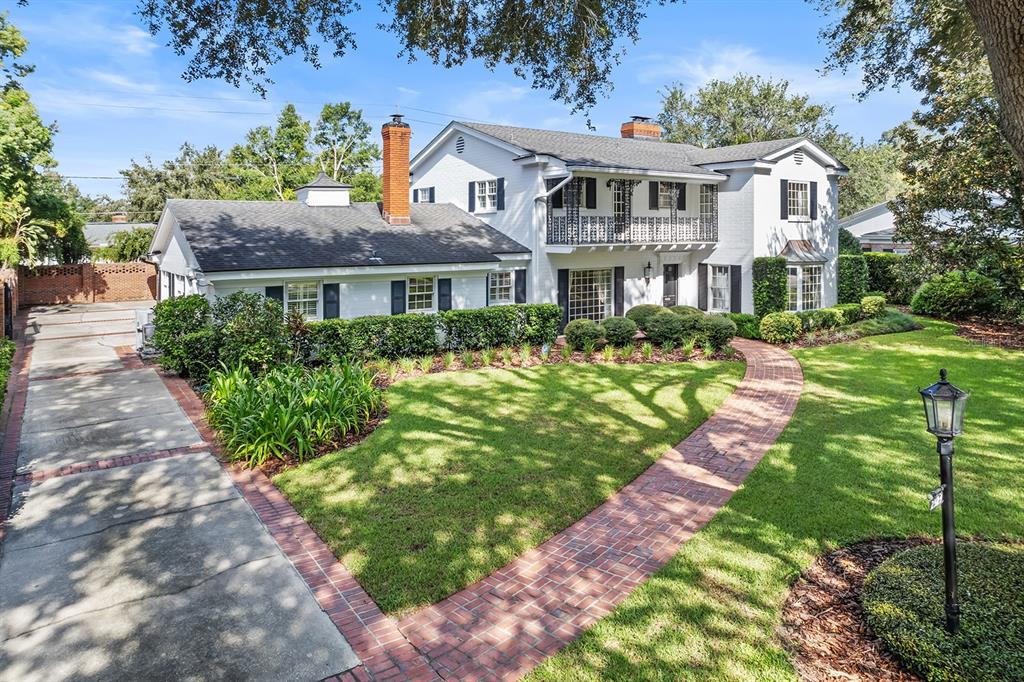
point(854, 463)
point(473, 468)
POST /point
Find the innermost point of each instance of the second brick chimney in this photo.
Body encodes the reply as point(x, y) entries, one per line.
point(395, 182)
point(641, 128)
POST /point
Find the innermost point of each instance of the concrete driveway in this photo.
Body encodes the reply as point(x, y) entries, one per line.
point(147, 571)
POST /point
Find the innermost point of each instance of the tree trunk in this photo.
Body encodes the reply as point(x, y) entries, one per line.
point(1001, 26)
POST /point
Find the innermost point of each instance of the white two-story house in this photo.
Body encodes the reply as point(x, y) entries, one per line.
point(490, 215)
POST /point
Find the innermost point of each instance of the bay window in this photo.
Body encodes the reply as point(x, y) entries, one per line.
point(804, 284)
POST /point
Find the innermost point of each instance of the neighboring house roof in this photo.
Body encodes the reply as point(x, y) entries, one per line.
point(802, 251)
point(870, 219)
point(269, 235)
point(323, 180)
point(98, 234)
point(579, 149)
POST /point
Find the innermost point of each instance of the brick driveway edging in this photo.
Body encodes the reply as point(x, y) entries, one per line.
point(507, 623)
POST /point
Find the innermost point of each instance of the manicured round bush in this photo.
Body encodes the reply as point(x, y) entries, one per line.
point(808, 319)
point(954, 295)
point(667, 327)
point(872, 306)
point(716, 331)
point(828, 318)
point(851, 312)
point(641, 313)
point(686, 310)
point(619, 330)
point(780, 327)
point(580, 333)
point(904, 603)
point(747, 326)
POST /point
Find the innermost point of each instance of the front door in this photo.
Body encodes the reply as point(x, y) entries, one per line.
point(671, 279)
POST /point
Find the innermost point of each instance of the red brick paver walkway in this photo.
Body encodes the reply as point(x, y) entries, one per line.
point(504, 625)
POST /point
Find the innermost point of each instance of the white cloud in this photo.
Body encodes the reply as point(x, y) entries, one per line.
point(118, 80)
point(491, 104)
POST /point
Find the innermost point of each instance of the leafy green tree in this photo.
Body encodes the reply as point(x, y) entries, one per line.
point(127, 245)
point(274, 161)
point(754, 109)
point(194, 174)
point(366, 186)
point(342, 142)
point(848, 244)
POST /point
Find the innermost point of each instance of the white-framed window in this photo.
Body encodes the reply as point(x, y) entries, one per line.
point(718, 285)
point(500, 288)
point(303, 297)
point(590, 294)
point(665, 199)
point(707, 202)
point(420, 294)
point(486, 195)
point(799, 200)
point(804, 283)
point(422, 195)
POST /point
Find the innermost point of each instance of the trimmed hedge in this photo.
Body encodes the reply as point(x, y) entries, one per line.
point(580, 333)
point(686, 310)
point(887, 273)
point(716, 331)
point(853, 278)
point(780, 327)
point(771, 293)
point(173, 319)
point(747, 326)
point(851, 312)
point(954, 295)
point(619, 330)
point(872, 306)
point(643, 312)
point(667, 327)
point(824, 318)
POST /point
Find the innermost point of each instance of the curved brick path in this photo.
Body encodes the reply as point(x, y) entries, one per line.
point(504, 625)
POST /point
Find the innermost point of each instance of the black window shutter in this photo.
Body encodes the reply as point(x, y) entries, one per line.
point(681, 198)
point(702, 286)
point(652, 195)
point(397, 296)
point(563, 296)
point(415, 196)
point(276, 293)
point(520, 276)
point(784, 199)
point(591, 192)
point(444, 293)
point(735, 288)
point(332, 304)
point(557, 199)
point(618, 290)
point(814, 201)
point(501, 194)
point(431, 199)
point(472, 197)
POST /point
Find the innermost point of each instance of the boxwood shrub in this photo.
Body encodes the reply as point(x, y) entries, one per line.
point(955, 295)
point(853, 278)
point(173, 318)
point(872, 306)
point(851, 312)
point(579, 333)
point(770, 288)
point(668, 327)
point(686, 310)
point(619, 330)
point(642, 313)
point(747, 326)
point(716, 331)
point(480, 328)
point(784, 327)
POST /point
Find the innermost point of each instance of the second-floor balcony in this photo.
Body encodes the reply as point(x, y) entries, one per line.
point(591, 229)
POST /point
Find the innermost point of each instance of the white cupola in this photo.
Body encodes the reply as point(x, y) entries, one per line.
point(324, 191)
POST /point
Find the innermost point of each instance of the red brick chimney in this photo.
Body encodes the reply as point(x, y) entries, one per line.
point(641, 128)
point(119, 218)
point(396, 136)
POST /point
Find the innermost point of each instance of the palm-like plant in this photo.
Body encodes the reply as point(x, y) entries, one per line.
point(20, 233)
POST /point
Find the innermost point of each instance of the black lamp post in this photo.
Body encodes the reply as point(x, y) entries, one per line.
point(944, 406)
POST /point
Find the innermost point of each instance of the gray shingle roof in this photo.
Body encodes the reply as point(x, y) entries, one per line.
point(98, 234)
point(263, 235)
point(579, 149)
point(323, 180)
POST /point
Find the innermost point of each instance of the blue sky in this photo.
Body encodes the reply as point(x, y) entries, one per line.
point(116, 93)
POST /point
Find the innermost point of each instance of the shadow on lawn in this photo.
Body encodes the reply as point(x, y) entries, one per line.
point(855, 462)
point(474, 468)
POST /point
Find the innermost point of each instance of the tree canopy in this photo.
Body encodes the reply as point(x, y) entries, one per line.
point(126, 245)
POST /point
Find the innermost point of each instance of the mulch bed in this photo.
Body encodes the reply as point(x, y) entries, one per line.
point(1005, 334)
point(823, 623)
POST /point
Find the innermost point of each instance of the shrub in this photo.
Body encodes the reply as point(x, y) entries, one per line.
point(888, 273)
point(583, 332)
point(619, 330)
point(393, 336)
point(686, 310)
point(290, 410)
point(200, 353)
point(853, 278)
point(771, 293)
point(807, 320)
point(824, 318)
point(716, 331)
point(642, 313)
point(747, 326)
point(251, 331)
point(541, 323)
point(666, 326)
point(481, 328)
point(329, 340)
point(889, 322)
point(173, 318)
point(872, 306)
point(903, 603)
point(954, 295)
point(7, 350)
point(780, 327)
point(851, 312)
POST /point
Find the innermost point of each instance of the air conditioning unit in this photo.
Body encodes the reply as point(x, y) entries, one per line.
point(143, 327)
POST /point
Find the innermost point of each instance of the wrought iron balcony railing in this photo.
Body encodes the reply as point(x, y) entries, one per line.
point(635, 230)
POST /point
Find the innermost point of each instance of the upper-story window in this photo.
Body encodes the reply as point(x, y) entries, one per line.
point(618, 199)
point(665, 192)
point(423, 195)
point(487, 195)
point(707, 202)
point(799, 200)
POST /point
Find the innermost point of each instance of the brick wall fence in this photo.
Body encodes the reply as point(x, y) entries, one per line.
point(87, 283)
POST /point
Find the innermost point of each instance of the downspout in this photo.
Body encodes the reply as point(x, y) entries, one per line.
point(541, 235)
